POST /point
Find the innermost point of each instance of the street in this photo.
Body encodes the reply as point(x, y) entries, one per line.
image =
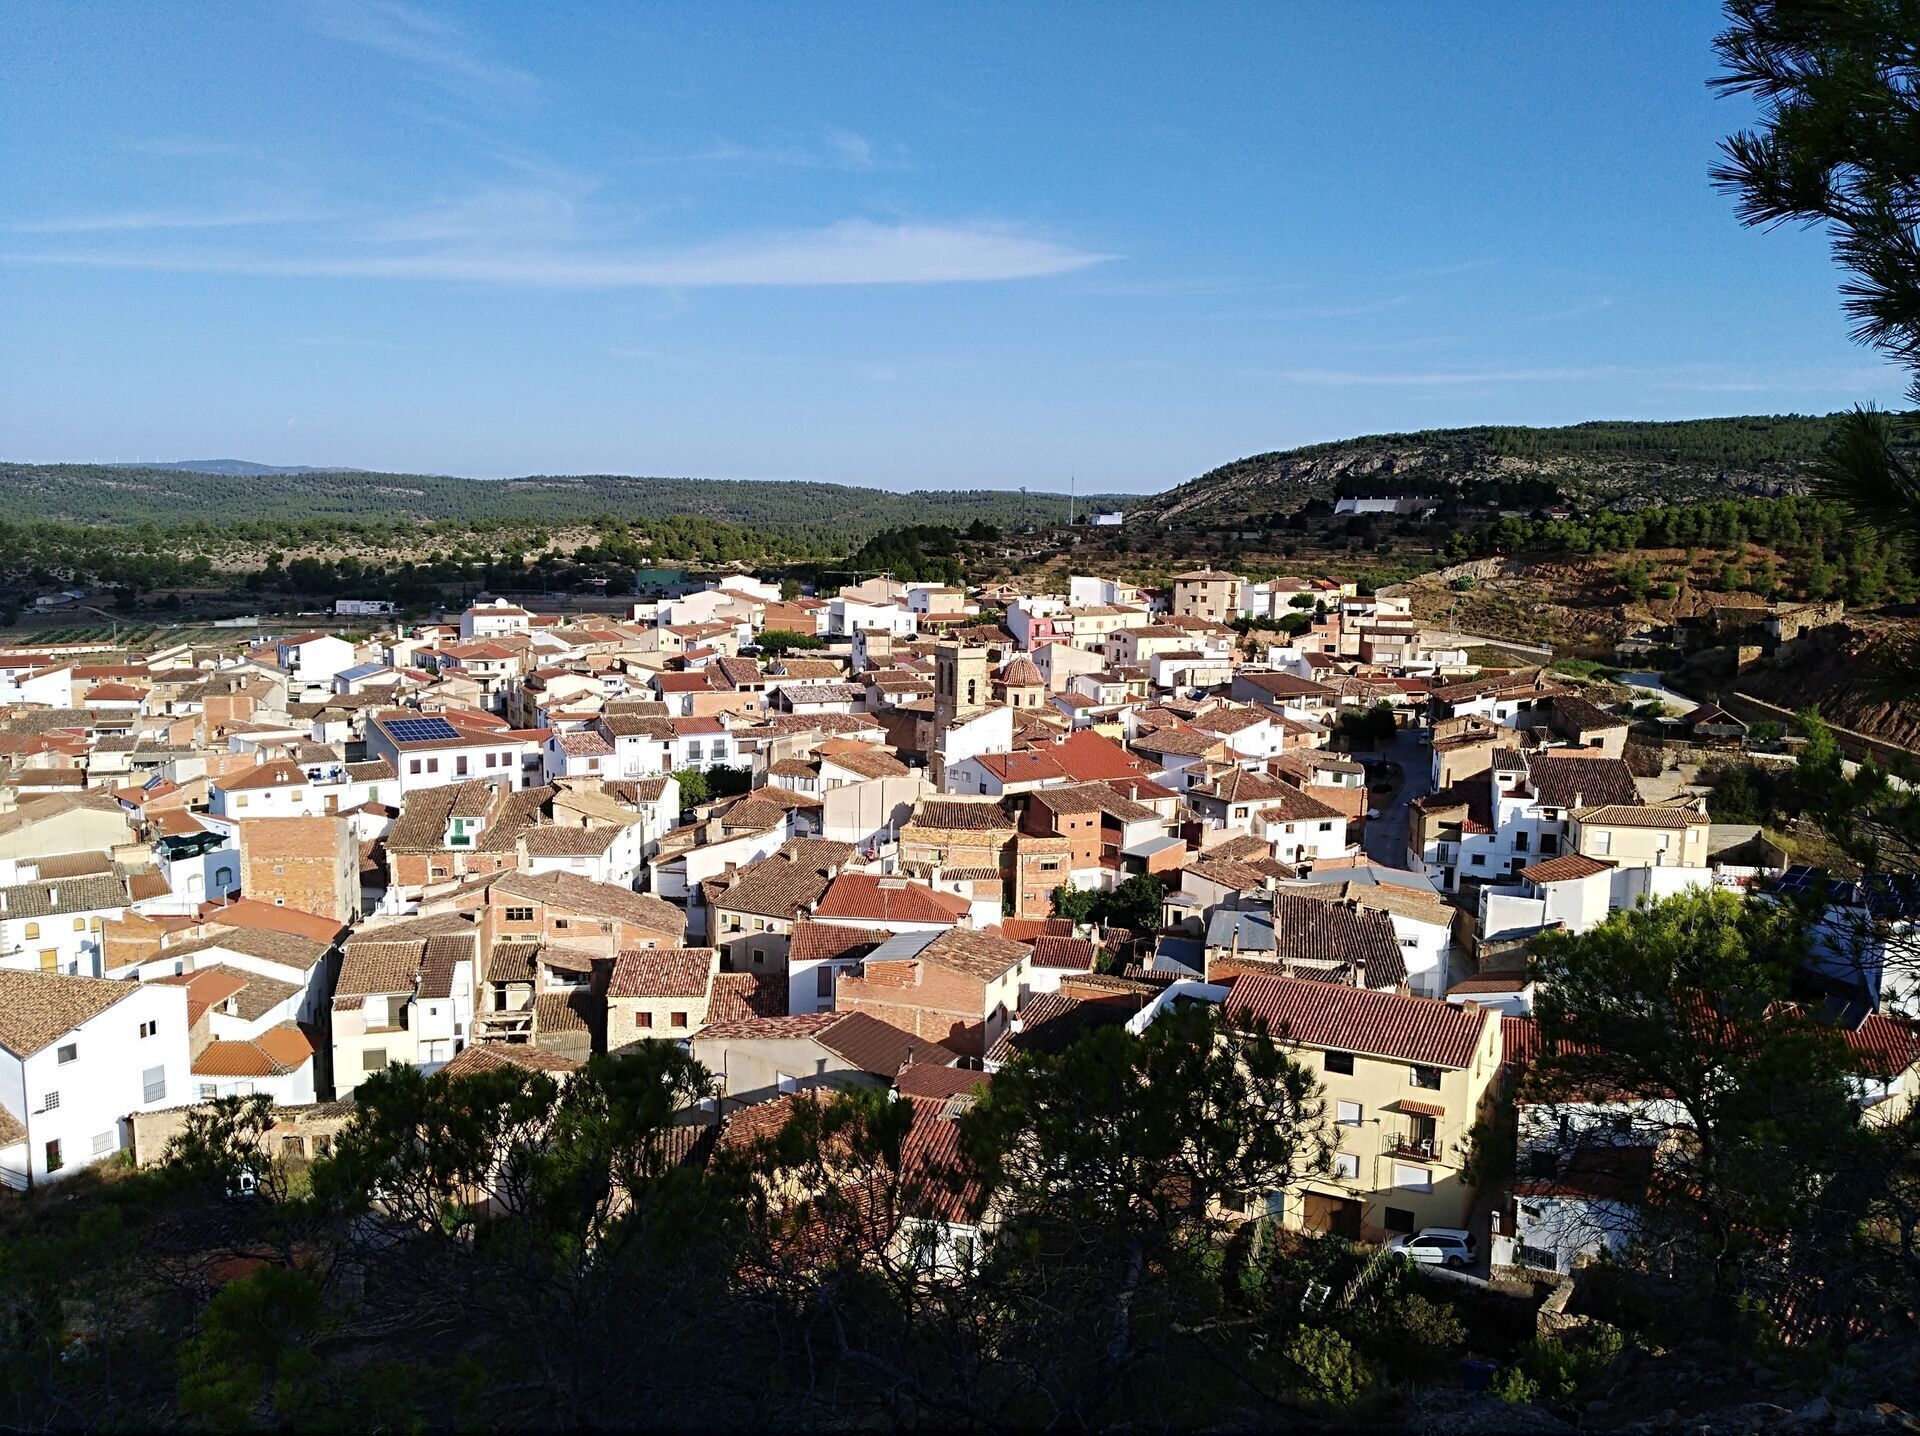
point(1386, 836)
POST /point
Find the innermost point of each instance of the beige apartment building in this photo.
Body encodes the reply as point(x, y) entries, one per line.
point(1207, 593)
point(1643, 837)
point(1404, 1079)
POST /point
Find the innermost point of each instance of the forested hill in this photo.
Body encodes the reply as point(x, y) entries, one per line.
point(1620, 464)
point(112, 494)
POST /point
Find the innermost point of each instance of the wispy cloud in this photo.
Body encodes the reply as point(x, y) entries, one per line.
point(1356, 309)
point(497, 213)
point(829, 148)
point(1688, 378)
point(418, 36)
point(134, 220)
point(854, 252)
point(1442, 271)
point(1429, 378)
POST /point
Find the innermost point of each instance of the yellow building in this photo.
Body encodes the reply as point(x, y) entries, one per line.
point(1405, 1079)
point(1643, 837)
point(1207, 593)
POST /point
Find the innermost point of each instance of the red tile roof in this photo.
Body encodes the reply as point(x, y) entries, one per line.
point(662, 972)
point(1564, 868)
point(1380, 1024)
point(862, 897)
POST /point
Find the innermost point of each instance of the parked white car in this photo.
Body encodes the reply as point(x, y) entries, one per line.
point(1436, 1246)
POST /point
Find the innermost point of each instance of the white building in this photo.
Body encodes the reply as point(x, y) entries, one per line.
point(78, 1056)
point(54, 924)
point(494, 619)
point(312, 659)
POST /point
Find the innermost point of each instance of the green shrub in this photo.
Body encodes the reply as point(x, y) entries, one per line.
point(1327, 1367)
point(1556, 1370)
point(1511, 1385)
point(1428, 1323)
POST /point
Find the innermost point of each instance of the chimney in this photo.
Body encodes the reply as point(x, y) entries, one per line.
point(1577, 804)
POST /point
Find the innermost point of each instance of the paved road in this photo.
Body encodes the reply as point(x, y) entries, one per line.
point(1387, 834)
point(1650, 684)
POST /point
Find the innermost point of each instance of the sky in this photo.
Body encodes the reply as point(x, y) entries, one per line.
point(906, 245)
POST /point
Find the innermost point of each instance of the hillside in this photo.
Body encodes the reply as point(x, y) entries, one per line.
point(1621, 464)
point(241, 468)
point(112, 494)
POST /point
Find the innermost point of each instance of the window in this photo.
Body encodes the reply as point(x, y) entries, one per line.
point(33, 930)
point(1478, 860)
point(677, 1019)
point(69, 1052)
point(374, 1059)
point(1520, 842)
point(643, 1019)
point(1340, 1062)
point(1602, 842)
point(1346, 1166)
point(148, 1029)
point(1412, 1179)
point(1427, 1077)
point(1326, 827)
point(50, 1102)
point(823, 981)
point(1397, 1219)
point(413, 765)
point(54, 1160)
point(103, 1143)
point(153, 1084)
point(519, 914)
point(1347, 1114)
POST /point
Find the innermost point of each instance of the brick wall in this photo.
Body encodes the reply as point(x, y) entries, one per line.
point(922, 998)
point(312, 864)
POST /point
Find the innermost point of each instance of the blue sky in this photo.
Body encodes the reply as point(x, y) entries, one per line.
point(903, 245)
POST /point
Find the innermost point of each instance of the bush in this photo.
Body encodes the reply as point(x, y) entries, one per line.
point(1466, 583)
point(1327, 1367)
point(1510, 1384)
point(1410, 1333)
point(776, 641)
point(1556, 1370)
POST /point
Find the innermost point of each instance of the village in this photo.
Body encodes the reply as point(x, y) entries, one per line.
point(894, 837)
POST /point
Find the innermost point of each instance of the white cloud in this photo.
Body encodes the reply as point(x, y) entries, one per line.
point(827, 149)
point(854, 252)
point(1432, 378)
point(1690, 378)
point(130, 220)
point(410, 33)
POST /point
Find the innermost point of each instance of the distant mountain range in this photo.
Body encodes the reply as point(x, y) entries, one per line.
point(240, 468)
point(1617, 464)
point(226, 491)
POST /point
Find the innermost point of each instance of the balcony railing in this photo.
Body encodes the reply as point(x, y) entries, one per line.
point(1423, 1149)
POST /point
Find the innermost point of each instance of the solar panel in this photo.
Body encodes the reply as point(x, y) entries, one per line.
point(1797, 879)
point(421, 730)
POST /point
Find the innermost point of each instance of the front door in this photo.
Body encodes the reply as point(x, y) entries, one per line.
point(1333, 1216)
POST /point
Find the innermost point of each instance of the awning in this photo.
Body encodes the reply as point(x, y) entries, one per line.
point(1424, 1109)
